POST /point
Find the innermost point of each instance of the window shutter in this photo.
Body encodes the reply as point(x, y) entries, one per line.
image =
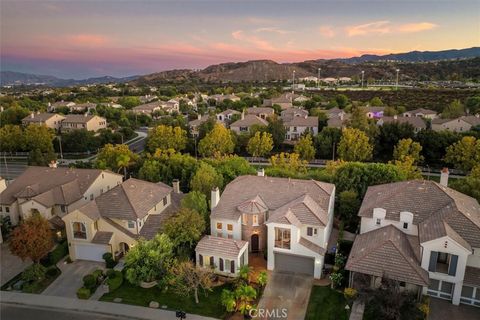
point(221, 264)
point(433, 261)
point(211, 261)
point(452, 268)
point(232, 267)
point(200, 260)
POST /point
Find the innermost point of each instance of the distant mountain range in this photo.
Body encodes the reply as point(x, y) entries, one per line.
point(419, 65)
point(19, 78)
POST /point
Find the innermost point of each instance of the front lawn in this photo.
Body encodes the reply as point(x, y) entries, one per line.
point(209, 306)
point(326, 304)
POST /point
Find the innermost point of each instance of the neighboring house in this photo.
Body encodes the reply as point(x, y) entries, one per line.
point(51, 120)
point(194, 124)
point(111, 105)
point(225, 117)
point(284, 101)
point(374, 112)
point(291, 219)
point(80, 121)
point(298, 125)
point(118, 218)
point(148, 108)
point(82, 107)
point(147, 98)
point(339, 122)
point(53, 191)
point(219, 98)
point(261, 112)
point(171, 106)
point(421, 113)
point(416, 122)
point(335, 113)
point(246, 122)
point(52, 107)
point(461, 124)
point(290, 113)
point(422, 234)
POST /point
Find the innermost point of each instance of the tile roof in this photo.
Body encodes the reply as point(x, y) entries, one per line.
point(131, 200)
point(416, 122)
point(388, 252)
point(421, 110)
point(472, 276)
point(102, 237)
point(434, 228)
point(229, 111)
point(301, 122)
point(304, 209)
point(220, 247)
point(78, 118)
point(249, 120)
point(62, 185)
point(40, 117)
point(275, 193)
point(260, 110)
point(291, 112)
point(253, 206)
point(473, 120)
point(425, 199)
point(312, 246)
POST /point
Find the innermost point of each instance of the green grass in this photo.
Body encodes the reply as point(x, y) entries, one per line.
point(209, 305)
point(326, 304)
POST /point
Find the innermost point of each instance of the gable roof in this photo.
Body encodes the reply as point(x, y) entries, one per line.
point(220, 247)
point(302, 121)
point(421, 110)
point(416, 122)
point(425, 199)
point(79, 118)
point(259, 110)
point(388, 252)
point(51, 185)
point(130, 200)
point(304, 210)
point(40, 117)
point(248, 121)
point(301, 196)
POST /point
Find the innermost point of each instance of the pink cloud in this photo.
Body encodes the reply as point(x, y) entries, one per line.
point(257, 42)
point(376, 27)
point(326, 31)
point(273, 30)
point(417, 27)
point(88, 39)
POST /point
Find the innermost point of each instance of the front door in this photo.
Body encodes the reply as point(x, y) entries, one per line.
point(254, 242)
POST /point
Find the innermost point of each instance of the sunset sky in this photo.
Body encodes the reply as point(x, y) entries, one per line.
point(79, 39)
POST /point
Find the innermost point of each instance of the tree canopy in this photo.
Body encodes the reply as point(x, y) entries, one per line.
point(354, 145)
point(217, 142)
point(166, 137)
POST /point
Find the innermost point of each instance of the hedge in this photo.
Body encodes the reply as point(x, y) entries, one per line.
point(89, 281)
point(114, 281)
point(83, 293)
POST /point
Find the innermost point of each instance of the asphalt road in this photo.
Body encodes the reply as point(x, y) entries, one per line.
point(18, 312)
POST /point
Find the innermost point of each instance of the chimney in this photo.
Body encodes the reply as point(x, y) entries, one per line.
point(341, 116)
point(215, 197)
point(199, 116)
point(243, 114)
point(176, 185)
point(32, 115)
point(86, 114)
point(53, 164)
point(444, 177)
point(261, 172)
point(395, 117)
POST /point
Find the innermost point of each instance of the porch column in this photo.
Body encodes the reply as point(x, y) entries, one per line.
point(457, 291)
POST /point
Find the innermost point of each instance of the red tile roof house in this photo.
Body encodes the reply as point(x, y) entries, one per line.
point(291, 219)
point(115, 220)
point(422, 234)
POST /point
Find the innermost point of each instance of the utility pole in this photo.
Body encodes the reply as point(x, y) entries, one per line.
point(293, 83)
point(318, 80)
point(363, 74)
point(396, 82)
point(60, 145)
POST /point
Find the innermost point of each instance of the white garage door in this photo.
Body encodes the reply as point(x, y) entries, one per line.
point(92, 252)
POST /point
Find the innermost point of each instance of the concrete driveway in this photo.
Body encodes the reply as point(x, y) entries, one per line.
point(286, 291)
point(67, 284)
point(10, 265)
point(444, 310)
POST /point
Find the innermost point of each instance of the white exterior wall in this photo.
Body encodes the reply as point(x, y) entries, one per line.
point(446, 245)
point(295, 248)
point(474, 259)
point(369, 224)
point(216, 262)
point(29, 205)
point(237, 228)
point(456, 125)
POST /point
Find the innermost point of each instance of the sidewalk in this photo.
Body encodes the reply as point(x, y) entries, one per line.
point(103, 308)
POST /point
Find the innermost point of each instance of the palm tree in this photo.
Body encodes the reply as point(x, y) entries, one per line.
point(262, 279)
point(244, 273)
point(245, 295)
point(228, 300)
point(123, 161)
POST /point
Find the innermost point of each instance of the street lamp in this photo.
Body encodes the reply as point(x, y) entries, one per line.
point(396, 83)
point(293, 82)
point(318, 79)
point(363, 74)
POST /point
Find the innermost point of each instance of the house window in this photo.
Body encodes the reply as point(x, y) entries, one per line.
point(443, 262)
point(79, 230)
point(294, 129)
point(140, 223)
point(165, 201)
point(244, 218)
point(219, 226)
point(243, 129)
point(91, 196)
point(101, 190)
point(311, 231)
point(405, 225)
point(378, 222)
point(1, 209)
point(131, 224)
point(255, 220)
point(282, 238)
point(230, 227)
point(230, 236)
point(95, 225)
point(7, 209)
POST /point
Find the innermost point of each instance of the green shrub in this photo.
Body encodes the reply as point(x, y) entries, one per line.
point(109, 261)
point(35, 272)
point(52, 272)
point(89, 281)
point(115, 281)
point(110, 273)
point(97, 274)
point(107, 256)
point(58, 253)
point(31, 287)
point(83, 293)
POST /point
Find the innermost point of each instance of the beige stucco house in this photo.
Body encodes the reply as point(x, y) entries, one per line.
point(51, 120)
point(422, 234)
point(114, 221)
point(54, 192)
point(461, 124)
point(244, 124)
point(79, 121)
point(290, 219)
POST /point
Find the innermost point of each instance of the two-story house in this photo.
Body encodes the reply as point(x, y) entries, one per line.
point(422, 234)
point(54, 192)
point(298, 123)
point(461, 124)
point(86, 121)
point(225, 117)
point(244, 124)
point(114, 221)
point(261, 112)
point(51, 120)
point(421, 113)
point(291, 219)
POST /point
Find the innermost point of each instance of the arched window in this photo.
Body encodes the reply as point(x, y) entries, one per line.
point(79, 230)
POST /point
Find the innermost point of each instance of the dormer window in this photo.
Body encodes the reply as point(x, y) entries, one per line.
point(405, 225)
point(378, 221)
point(131, 224)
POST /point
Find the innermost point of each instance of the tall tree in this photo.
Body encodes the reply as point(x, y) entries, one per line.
point(354, 145)
point(464, 154)
point(32, 239)
point(197, 201)
point(277, 130)
point(326, 141)
point(115, 157)
point(39, 137)
point(260, 144)
point(217, 142)
point(13, 115)
point(166, 137)
point(388, 136)
point(408, 148)
point(205, 179)
point(11, 138)
point(185, 228)
point(454, 110)
point(305, 148)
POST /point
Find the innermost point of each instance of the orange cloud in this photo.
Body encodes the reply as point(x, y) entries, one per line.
point(88, 40)
point(258, 43)
point(326, 31)
point(273, 30)
point(417, 27)
point(376, 27)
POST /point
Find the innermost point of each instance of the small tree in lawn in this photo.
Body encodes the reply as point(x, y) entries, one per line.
point(32, 239)
point(189, 279)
